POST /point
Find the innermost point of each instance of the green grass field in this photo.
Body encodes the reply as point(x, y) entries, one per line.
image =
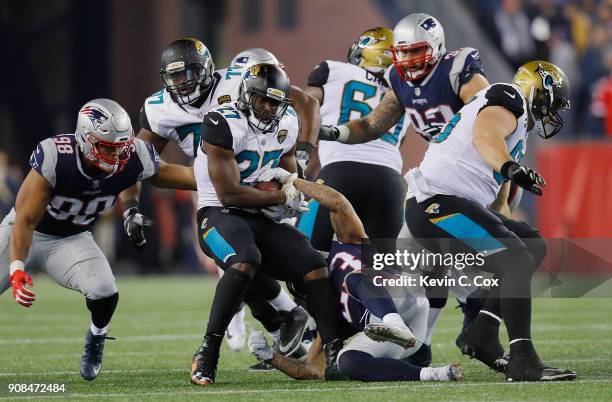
point(158, 326)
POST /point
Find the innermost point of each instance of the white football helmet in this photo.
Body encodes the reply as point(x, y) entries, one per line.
point(256, 55)
point(418, 44)
point(104, 134)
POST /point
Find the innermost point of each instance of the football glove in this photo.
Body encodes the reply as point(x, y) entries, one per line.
point(258, 345)
point(134, 223)
point(19, 278)
point(433, 129)
point(523, 176)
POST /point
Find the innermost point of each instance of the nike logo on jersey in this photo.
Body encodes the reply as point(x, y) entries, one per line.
point(510, 95)
point(215, 122)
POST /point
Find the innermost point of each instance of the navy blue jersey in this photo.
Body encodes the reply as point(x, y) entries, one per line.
point(78, 198)
point(435, 99)
point(344, 260)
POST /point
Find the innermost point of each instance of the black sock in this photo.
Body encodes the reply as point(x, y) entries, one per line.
point(262, 311)
point(228, 297)
point(515, 296)
point(102, 309)
point(324, 307)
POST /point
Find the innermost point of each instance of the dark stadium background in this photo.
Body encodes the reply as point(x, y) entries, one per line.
point(57, 54)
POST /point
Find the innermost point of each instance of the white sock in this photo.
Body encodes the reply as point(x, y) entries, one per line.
point(434, 374)
point(432, 317)
point(275, 335)
point(283, 302)
point(98, 331)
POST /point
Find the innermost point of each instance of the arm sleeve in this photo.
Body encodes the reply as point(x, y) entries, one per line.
point(216, 131)
point(465, 64)
point(44, 160)
point(149, 158)
point(144, 120)
point(506, 96)
point(319, 75)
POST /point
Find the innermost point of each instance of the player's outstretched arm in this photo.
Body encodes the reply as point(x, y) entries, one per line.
point(377, 123)
point(344, 219)
point(169, 175)
point(225, 176)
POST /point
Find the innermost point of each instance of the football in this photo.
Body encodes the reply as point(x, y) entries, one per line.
point(268, 185)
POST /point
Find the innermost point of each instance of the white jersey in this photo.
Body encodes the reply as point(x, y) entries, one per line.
point(255, 152)
point(229, 83)
point(452, 166)
point(178, 123)
point(351, 92)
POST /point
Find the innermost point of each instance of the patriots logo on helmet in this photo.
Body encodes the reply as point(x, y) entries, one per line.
point(96, 116)
point(428, 24)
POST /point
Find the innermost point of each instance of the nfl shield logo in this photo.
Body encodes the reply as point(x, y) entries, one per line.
point(95, 184)
point(417, 91)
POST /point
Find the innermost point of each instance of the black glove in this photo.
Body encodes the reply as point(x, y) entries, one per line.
point(134, 223)
point(328, 133)
point(523, 176)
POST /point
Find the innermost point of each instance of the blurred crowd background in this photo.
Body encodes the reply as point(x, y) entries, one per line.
point(59, 54)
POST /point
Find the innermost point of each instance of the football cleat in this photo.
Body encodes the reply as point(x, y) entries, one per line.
point(91, 362)
point(332, 349)
point(452, 372)
point(422, 357)
point(470, 311)
point(400, 335)
point(525, 365)
point(292, 330)
point(204, 361)
point(236, 332)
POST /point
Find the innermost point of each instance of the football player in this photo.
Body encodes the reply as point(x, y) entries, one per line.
point(429, 84)
point(240, 141)
point(348, 91)
point(192, 87)
point(383, 340)
point(461, 174)
point(73, 180)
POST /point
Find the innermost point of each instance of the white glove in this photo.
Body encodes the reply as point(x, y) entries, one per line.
point(258, 345)
point(284, 211)
point(279, 174)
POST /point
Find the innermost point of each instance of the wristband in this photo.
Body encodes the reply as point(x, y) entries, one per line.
point(16, 265)
point(305, 146)
point(506, 167)
point(343, 134)
point(128, 205)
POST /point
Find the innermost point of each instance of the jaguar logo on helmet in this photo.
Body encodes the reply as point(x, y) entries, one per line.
point(199, 46)
point(254, 70)
point(549, 76)
point(282, 136)
point(96, 116)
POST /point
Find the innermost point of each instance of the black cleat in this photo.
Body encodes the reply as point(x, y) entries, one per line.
point(292, 330)
point(525, 365)
point(421, 357)
point(91, 362)
point(204, 361)
point(332, 349)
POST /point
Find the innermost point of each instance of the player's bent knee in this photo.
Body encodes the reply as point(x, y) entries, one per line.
point(317, 273)
point(101, 289)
